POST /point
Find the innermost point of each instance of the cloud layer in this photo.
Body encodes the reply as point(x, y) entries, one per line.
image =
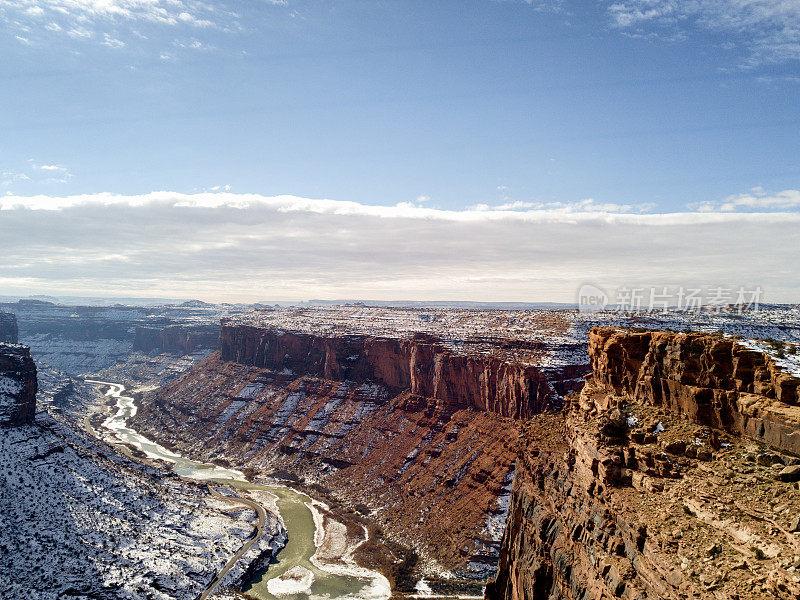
point(250, 247)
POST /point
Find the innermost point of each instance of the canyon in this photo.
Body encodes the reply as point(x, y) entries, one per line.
point(421, 436)
point(554, 454)
point(80, 518)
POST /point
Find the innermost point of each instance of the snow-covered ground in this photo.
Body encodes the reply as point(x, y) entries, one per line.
point(75, 356)
point(77, 520)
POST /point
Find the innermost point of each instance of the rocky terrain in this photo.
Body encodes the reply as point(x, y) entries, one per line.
point(673, 474)
point(416, 417)
point(78, 519)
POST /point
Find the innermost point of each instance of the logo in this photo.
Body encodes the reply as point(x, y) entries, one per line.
point(591, 299)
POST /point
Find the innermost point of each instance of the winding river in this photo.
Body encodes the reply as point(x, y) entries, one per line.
point(309, 578)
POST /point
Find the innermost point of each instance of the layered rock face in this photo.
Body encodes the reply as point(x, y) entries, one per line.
point(18, 385)
point(419, 364)
point(657, 480)
point(9, 332)
point(175, 338)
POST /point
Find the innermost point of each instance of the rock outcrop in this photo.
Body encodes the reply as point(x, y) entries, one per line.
point(670, 476)
point(9, 332)
point(18, 385)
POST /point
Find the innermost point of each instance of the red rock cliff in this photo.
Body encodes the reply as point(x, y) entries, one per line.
point(671, 476)
point(420, 364)
point(710, 380)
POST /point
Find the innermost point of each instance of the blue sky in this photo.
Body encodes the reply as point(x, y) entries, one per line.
point(627, 107)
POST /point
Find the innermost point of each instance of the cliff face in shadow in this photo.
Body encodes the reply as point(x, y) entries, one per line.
point(672, 475)
point(9, 332)
point(182, 339)
point(18, 385)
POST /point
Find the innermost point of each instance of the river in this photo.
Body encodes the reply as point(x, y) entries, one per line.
point(309, 578)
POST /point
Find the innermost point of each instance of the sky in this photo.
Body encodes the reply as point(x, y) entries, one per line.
point(475, 150)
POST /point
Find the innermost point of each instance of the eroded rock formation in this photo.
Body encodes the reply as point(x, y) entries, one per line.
point(711, 380)
point(671, 475)
point(18, 385)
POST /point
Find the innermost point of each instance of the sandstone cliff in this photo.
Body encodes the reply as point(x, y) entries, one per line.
point(18, 385)
point(659, 481)
point(710, 380)
point(8, 328)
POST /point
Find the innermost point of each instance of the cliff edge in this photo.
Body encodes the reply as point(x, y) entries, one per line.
point(672, 475)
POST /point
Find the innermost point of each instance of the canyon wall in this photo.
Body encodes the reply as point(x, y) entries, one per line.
point(437, 478)
point(419, 364)
point(671, 475)
point(9, 332)
point(18, 385)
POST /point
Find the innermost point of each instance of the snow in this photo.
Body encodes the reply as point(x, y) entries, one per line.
point(297, 580)
point(9, 386)
point(79, 517)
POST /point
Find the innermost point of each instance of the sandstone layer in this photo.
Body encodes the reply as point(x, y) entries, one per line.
point(18, 385)
point(671, 475)
point(420, 364)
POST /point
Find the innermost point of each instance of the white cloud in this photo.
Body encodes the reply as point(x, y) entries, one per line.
point(35, 173)
point(112, 22)
point(589, 205)
point(251, 247)
point(755, 199)
point(768, 30)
